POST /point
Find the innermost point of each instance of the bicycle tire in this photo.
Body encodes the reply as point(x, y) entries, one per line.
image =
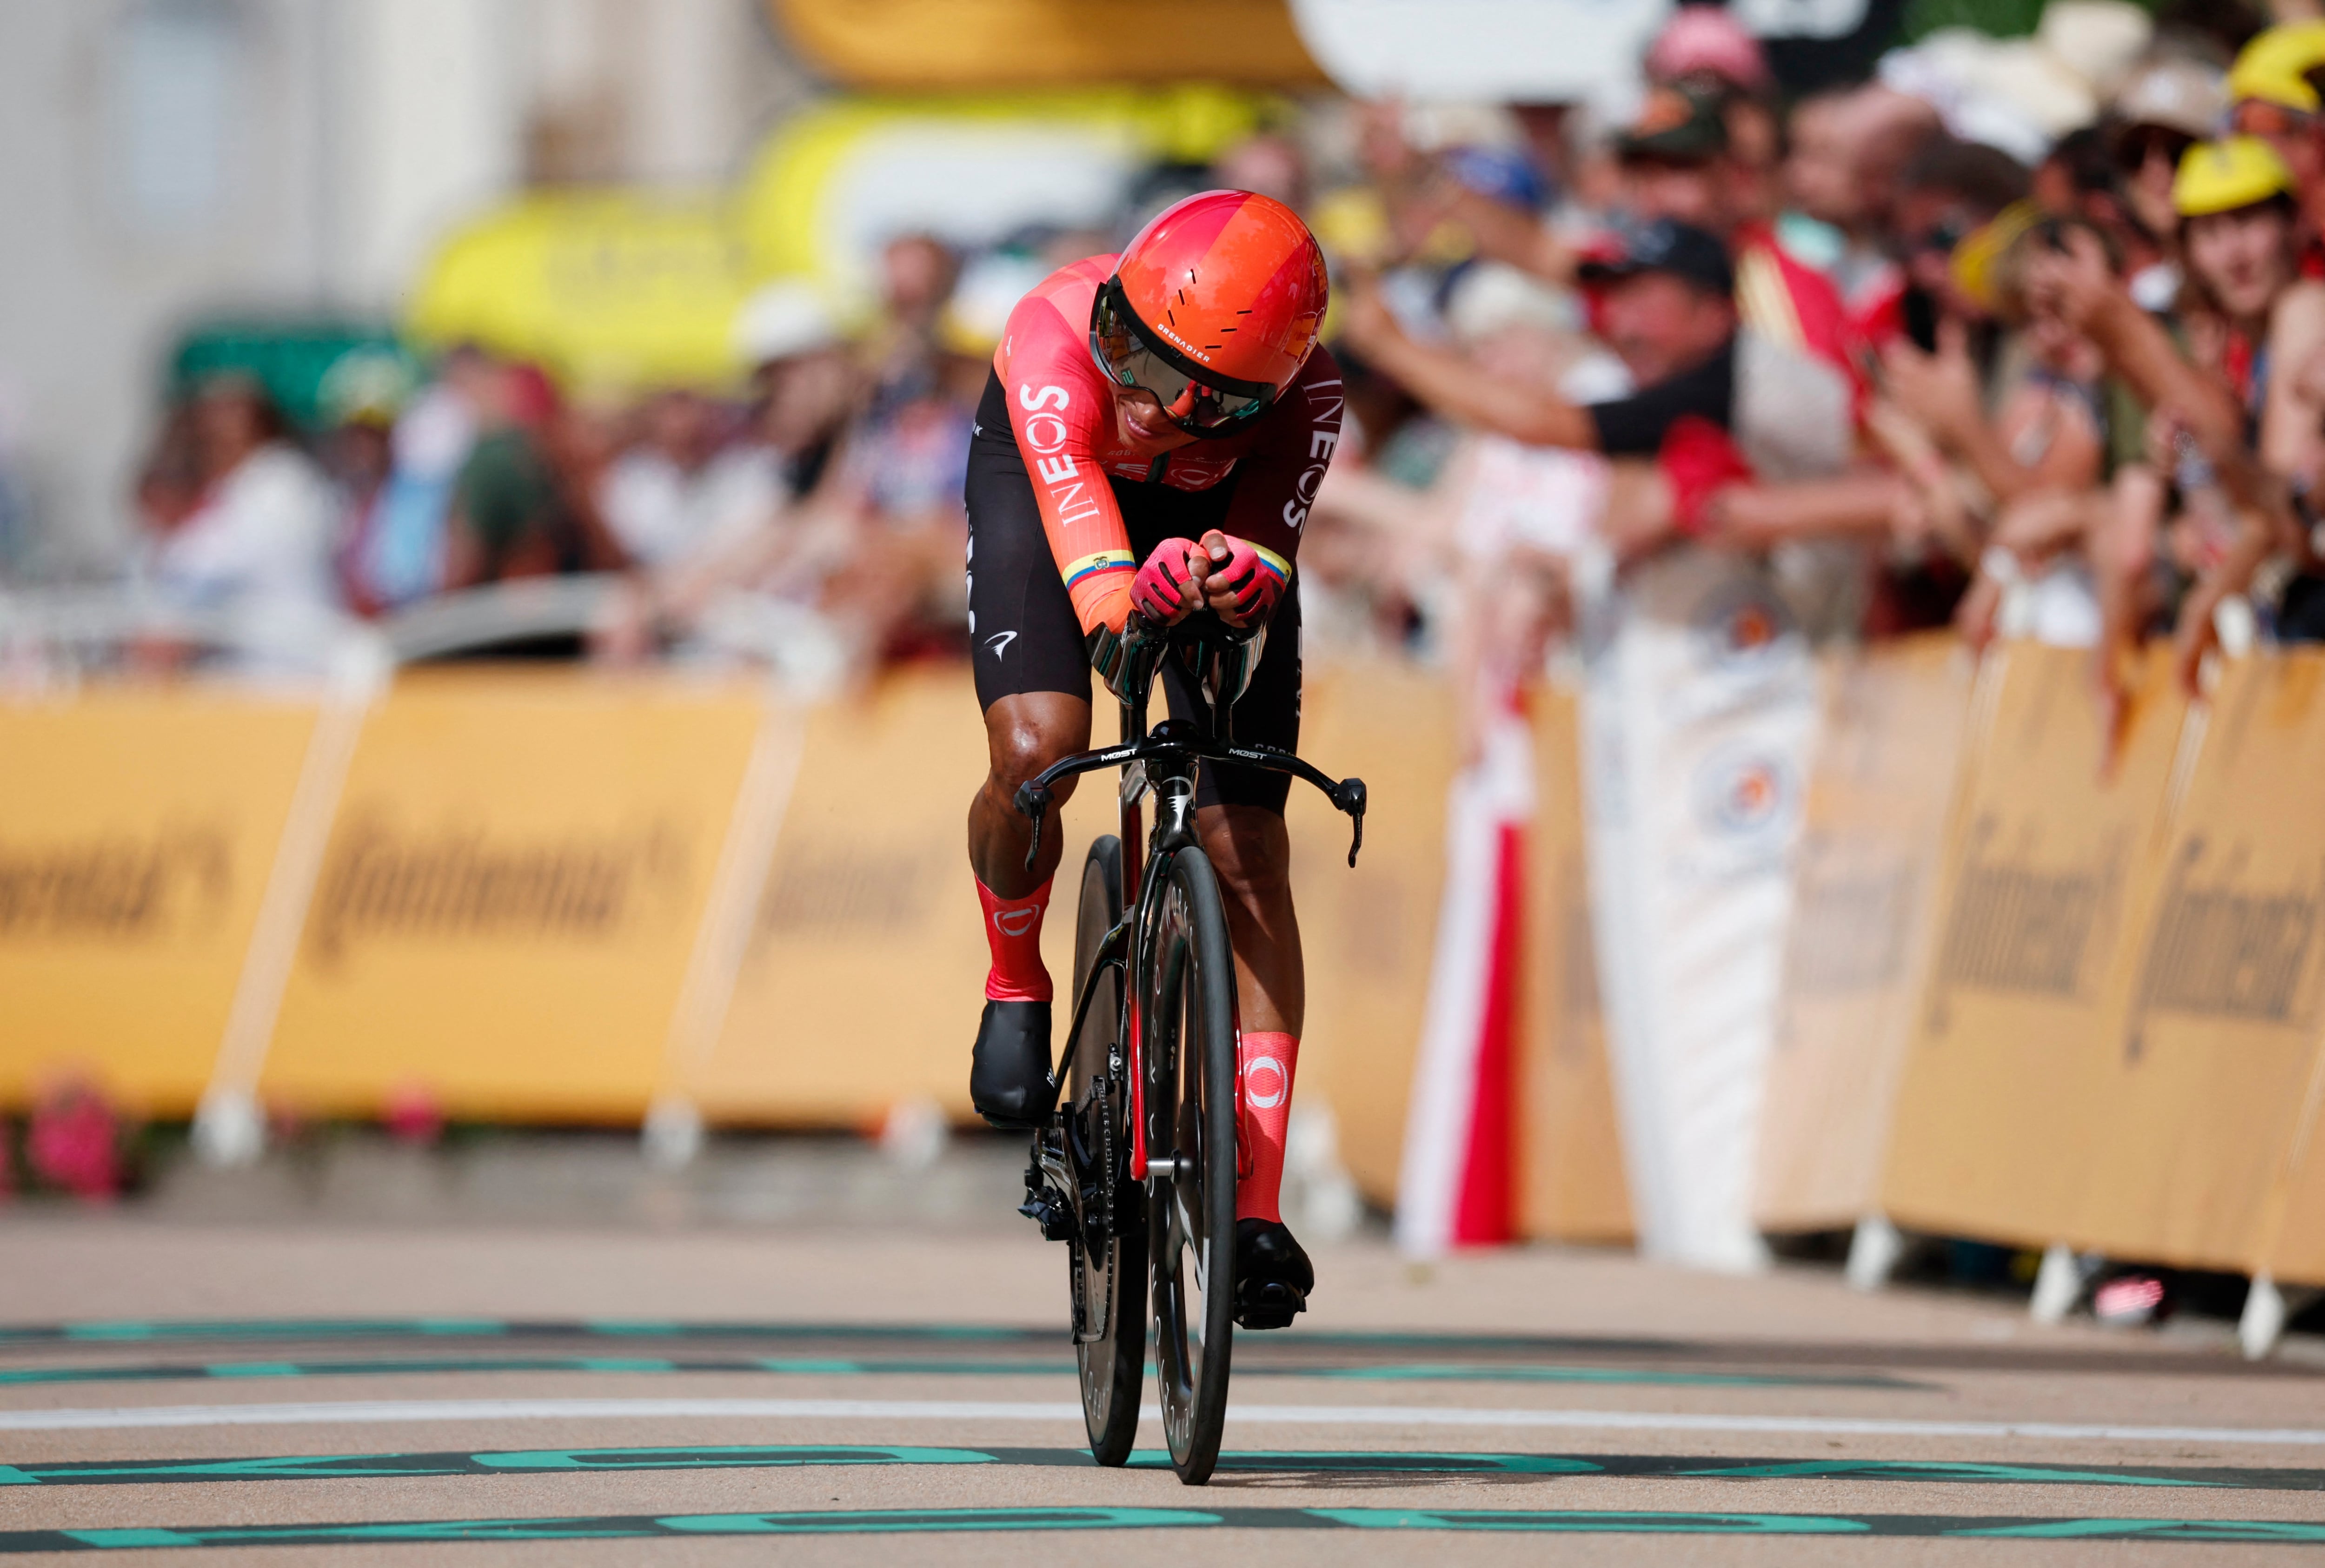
point(1189, 1041)
point(1110, 1279)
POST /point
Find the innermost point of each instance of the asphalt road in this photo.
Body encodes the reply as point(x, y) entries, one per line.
point(303, 1392)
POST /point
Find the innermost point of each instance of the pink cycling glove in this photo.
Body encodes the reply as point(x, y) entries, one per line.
point(1158, 589)
point(1256, 580)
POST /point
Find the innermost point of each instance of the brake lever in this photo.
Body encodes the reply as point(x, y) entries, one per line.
point(1350, 797)
point(1033, 801)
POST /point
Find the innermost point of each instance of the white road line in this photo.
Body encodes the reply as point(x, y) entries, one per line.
point(364, 1412)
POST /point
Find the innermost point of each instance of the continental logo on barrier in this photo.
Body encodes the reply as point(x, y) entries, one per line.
point(382, 882)
point(115, 888)
point(2019, 929)
point(1850, 924)
point(2222, 949)
point(846, 892)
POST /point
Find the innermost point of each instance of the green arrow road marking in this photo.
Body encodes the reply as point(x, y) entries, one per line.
point(886, 1521)
point(1944, 1469)
point(1595, 1521)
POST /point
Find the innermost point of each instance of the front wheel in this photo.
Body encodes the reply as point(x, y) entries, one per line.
point(1188, 1044)
point(1109, 1244)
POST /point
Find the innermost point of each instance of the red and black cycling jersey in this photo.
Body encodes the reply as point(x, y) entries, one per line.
point(1061, 412)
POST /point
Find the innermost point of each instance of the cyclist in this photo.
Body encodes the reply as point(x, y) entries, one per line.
point(1153, 433)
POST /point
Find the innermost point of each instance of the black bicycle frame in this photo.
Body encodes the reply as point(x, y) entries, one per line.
point(1163, 762)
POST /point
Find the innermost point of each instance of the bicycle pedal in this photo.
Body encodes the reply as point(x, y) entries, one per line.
point(1269, 1306)
point(1047, 1210)
point(1046, 1206)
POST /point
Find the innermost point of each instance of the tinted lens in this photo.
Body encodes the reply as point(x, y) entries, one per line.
point(1187, 403)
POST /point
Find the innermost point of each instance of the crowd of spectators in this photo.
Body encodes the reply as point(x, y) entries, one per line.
point(2026, 337)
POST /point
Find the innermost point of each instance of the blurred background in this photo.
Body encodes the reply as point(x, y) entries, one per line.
point(483, 647)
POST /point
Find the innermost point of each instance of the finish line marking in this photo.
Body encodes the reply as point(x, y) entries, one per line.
point(1328, 1462)
point(892, 1521)
point(363, 1412)
point(829, 1366)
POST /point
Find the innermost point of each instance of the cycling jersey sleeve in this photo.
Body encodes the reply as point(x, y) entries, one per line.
point(1286, 463)
point(1058, 410)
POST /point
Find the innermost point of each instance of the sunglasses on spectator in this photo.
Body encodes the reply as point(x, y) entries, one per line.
point(2142, 142)
point(2259, 117)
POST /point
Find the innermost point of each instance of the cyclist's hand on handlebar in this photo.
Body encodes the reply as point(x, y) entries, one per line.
point(1169, 587)
point(1237, 584)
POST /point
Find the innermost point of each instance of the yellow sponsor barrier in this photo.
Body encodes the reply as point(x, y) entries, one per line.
point(1571, 1181)
point(2031, 936)
point(2296, 1248)
point(137, 830)
point(1883, 778)
point(510, 895)
point(863, 967)
point(892, 44)
point(1369, 933)
point(2210, 1042)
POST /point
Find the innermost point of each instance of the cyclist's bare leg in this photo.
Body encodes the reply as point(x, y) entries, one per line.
point(1022, 736)
point(1252, 853)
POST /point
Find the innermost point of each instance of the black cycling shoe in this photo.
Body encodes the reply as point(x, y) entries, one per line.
point(1272, 1275)
point(1009, 1070)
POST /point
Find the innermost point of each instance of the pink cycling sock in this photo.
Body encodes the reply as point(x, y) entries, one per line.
point(1012, 929)
point(1266, 1061)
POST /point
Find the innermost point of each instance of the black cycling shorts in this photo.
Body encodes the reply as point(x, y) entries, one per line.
point(1022, 630)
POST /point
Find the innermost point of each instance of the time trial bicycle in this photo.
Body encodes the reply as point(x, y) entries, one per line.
point(1136, 1168)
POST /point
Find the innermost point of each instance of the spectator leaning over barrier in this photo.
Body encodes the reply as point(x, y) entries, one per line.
point(1709, 392)
point(520, 509)
point(2233, 428)
point(659, 497)
point(255, 548)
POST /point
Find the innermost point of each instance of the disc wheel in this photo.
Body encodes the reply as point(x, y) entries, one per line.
point(1108, 1254)
point(1189, 1048)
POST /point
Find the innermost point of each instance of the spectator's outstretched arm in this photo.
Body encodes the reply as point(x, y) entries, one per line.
point(2081, 285)
point(1867, 505)
point(1458, 389)
point(1940, 390)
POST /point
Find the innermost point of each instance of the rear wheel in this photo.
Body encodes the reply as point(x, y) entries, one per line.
point(1188, 1044)
point(1108, 1255)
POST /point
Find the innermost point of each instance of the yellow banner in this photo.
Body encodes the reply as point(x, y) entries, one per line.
point(604, 288)
point(1571, 1180)
point(2030, 937)
point(988, 44)
point(137, 827)
point(1883, 778)
point(512, 894)
point(2212, 1040)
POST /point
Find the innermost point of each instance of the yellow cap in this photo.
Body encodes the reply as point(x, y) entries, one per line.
point(2274, 67)
point(2223, 175)
point(1976, 259)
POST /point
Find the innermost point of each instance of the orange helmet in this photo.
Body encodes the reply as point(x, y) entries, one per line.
point(1213, 308)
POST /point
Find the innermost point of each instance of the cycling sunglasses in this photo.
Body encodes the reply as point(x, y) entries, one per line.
point(1192, 398)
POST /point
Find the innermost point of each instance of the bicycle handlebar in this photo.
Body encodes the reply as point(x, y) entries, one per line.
point(1171, 738)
